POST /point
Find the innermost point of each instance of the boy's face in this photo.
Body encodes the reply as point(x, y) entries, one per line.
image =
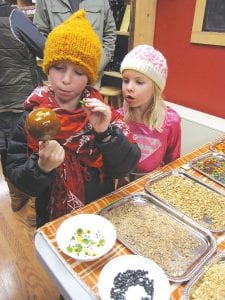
point(68, 82)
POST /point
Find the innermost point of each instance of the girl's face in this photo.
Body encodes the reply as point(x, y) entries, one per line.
point(137, 89)
point(68, 82)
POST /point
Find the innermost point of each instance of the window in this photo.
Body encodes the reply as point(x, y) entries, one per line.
point(210, 11)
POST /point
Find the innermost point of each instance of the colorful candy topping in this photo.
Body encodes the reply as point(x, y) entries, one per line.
point(85, 242)
point(220, 147)
point(213, 166)
point(82, 102)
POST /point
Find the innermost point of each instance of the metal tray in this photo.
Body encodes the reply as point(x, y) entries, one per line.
point(195, 198)
point(155, 230)
point(215, 170)
point(216, 259)
point(218, 146)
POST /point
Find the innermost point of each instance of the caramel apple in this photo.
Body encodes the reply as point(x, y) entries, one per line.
point(43, 124)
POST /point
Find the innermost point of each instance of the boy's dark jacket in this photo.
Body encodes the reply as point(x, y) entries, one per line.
point(119, 158)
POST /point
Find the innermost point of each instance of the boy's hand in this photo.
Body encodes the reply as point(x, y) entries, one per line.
point(99, 114)
point(51, 155)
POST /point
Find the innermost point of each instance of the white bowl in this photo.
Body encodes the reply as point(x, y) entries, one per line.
point(125, 263)
point(86, 237)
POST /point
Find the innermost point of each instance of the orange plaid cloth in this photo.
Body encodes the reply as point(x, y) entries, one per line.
point(89, 272)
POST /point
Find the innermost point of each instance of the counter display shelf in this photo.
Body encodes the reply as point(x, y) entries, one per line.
point(78, 280)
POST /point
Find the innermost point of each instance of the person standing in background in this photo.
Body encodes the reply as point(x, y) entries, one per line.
point(50, 13)
point(20, 43)
point(156, 127)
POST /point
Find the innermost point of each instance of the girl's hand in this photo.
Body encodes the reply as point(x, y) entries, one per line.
point(51, 155)
point(99, 114)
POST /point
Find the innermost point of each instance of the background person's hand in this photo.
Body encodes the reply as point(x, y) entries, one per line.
point(99, 114)
point(51, 155)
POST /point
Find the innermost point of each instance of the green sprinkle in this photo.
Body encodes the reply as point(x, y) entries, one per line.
point(79, 231)
point(69, 249)
point(101, 243)
point(78, 248)
point(82, 102)
point(86, 241)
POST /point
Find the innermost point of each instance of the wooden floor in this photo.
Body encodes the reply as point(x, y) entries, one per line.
point(21, 275)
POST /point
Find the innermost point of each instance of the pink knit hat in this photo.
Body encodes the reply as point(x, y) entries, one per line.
point(148, 61)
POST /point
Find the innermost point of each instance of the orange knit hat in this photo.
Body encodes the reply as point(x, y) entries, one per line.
point(76, 41)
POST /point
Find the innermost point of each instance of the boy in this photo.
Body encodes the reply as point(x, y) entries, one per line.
point(94, 145)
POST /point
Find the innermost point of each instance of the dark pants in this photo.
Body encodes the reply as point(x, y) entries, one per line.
point(8, 121)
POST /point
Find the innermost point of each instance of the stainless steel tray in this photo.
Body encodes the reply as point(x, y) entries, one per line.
point(155, 230)
point(218, 146)
point(211, 165)
point(195, 198)
point(210, 286)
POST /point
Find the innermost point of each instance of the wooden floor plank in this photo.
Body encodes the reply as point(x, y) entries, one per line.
point(21, 275)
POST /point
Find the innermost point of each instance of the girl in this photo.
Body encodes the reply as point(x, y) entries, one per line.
point(155, 126)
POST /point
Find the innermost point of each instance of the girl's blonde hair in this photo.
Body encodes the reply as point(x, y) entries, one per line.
point(154, 115)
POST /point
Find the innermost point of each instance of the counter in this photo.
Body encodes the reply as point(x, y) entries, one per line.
point(77, 280)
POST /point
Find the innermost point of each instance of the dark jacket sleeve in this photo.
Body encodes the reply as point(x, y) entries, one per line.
point(23, 171)
point(27, 32)
point(119, 155)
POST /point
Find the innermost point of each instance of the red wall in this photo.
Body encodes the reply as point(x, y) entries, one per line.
point(196, 77)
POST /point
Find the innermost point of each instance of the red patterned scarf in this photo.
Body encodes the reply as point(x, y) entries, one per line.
point(68, 188)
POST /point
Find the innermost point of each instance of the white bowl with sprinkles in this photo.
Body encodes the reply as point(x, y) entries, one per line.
point(86, 237)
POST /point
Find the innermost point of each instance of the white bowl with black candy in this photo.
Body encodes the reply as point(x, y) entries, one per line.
point(130, 277)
